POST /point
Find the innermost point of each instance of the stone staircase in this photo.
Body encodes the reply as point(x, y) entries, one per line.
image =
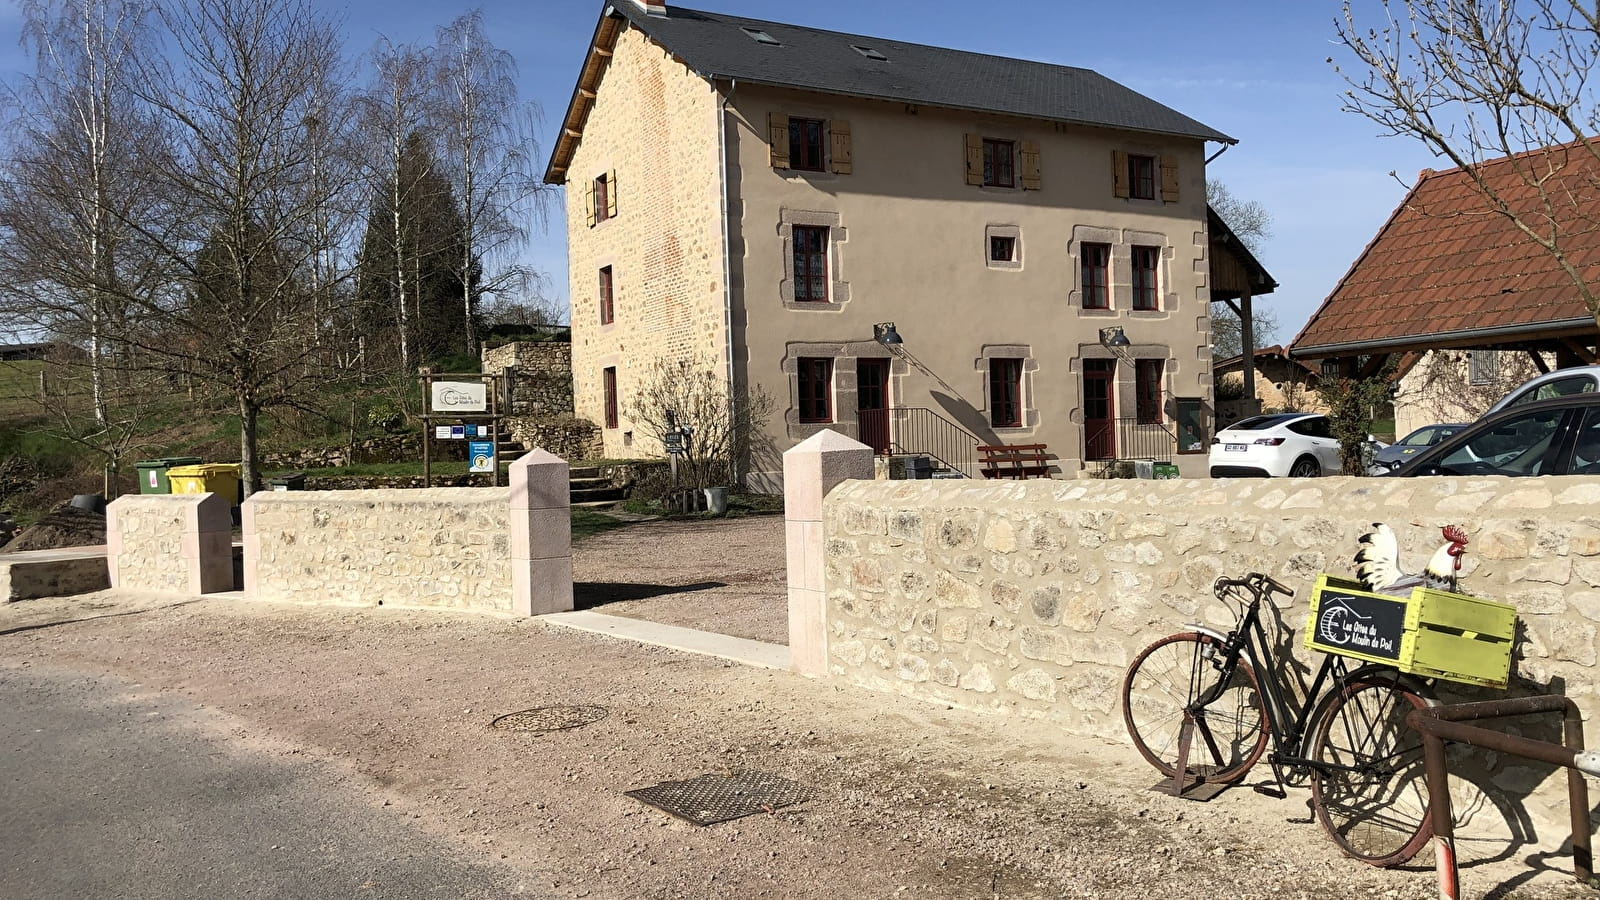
point(590, 488)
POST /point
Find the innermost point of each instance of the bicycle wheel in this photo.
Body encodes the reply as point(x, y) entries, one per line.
point(1375, 807)
point(1229, 734)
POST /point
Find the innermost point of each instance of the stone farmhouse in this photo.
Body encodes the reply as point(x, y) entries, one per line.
point(1465, 304)
point(923, 248)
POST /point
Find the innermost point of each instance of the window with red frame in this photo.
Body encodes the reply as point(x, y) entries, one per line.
point(805, 144)
point(602, 199)
point(610, 378)
point(1005, 393)
point(999, 163)
point(816, 389)
point(1144, 277)
point(811, 263)
point(1147, 390)
point(1142, 177)
point(1096, 263)
point(607, 311)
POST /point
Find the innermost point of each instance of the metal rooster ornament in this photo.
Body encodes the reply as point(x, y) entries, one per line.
point(1378, 562)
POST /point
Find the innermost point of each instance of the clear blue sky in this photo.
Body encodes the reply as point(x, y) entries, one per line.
point(1254, 69)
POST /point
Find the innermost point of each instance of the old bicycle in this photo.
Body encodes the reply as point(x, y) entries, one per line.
point(1201, 706)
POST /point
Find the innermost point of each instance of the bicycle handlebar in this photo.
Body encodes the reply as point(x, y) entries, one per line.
point(1255, 582)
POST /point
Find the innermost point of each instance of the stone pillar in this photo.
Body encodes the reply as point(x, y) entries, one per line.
point(541, 534)
point(170, 543)
point(811, 469)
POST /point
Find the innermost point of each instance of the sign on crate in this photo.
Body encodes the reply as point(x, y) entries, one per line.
point(1371, 626)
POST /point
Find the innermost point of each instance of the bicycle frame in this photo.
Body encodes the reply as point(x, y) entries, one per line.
point(1286, 721)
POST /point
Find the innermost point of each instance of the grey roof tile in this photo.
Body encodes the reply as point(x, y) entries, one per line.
point(714, 45)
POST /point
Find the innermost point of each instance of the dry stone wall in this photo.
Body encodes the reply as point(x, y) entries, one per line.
point(1032, 597)
point(434, 547)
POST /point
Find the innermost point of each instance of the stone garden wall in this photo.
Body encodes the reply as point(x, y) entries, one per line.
point(1032, 597)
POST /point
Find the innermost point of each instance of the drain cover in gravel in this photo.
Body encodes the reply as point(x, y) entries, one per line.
point(718, 798)
point(550, 718)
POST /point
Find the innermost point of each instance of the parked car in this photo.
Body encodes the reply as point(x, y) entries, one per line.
point(1539, 437)
point(1297, 445)
point(1560, 383)
point(1392, 456)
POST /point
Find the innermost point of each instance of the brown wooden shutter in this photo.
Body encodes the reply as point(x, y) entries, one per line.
point(1030, 165)
point(975, 159)
point(778, 139)
point(611, 194)
point(1169, 182)
point(1119, 173)
point(839, 131)
point(588, 202)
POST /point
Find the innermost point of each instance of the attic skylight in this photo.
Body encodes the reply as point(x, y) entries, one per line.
point(868, 52)
point(759, 36)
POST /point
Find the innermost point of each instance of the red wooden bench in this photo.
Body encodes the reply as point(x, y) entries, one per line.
point(1014, 461)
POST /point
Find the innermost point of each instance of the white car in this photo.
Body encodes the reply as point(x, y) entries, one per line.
point(1296, 445)
point(1559, 383)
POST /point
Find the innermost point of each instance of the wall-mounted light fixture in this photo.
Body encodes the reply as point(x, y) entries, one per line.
point(884, 333)
point(1113, 338)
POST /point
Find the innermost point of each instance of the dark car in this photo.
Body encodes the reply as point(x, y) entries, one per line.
point(1544, 437)
point(1395, 455)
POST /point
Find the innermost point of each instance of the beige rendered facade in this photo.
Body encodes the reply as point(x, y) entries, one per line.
point(682, 199)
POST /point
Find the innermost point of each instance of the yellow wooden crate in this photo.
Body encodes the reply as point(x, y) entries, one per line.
point(1434, 634)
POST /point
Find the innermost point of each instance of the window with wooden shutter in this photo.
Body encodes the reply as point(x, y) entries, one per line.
point(1169, 182)
point(1119, 173)
point(839, 132)
point(975, 159)
point(611, 194)
point(778, 139)
point(1030, 165)
point(588, 204)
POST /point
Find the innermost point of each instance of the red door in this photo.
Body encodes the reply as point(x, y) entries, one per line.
point(872, 403)
point(1099, 409)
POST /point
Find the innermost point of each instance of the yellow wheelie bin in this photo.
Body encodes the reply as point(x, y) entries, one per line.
point(222, 479)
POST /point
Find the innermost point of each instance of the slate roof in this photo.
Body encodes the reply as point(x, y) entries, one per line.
point(1445, 268)
point(716, 46)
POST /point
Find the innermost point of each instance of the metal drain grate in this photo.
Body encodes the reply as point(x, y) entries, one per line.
point(718, 798)
point(550, 718)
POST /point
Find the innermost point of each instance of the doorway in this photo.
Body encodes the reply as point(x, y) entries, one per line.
point(1099, 409)
point(872, 403)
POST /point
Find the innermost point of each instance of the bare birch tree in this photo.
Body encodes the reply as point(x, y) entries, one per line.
point(487, 135)
point(1479, 80)
point(395, 111)
point(65, 252)
point(247, 91)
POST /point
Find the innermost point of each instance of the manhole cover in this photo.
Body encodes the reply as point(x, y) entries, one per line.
point(719, 798)
point(550, 718)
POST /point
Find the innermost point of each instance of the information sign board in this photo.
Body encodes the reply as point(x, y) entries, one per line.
point(460, 396)
point(480, 456)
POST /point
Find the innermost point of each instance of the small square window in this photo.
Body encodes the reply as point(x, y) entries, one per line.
point(1002, 249)
point(805, 144)
point(999, 163)
point(1142, 177)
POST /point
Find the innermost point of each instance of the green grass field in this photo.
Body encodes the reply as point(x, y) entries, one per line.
point(19, 388)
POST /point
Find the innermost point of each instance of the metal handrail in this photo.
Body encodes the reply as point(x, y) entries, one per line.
point(1135, 439)
point(921, 431)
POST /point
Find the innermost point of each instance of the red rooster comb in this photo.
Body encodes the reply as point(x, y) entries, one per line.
point(1454, 534)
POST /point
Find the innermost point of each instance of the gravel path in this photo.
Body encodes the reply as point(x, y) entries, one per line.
point(911, 799)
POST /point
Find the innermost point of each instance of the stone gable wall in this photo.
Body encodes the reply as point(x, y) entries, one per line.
point(1032, 597)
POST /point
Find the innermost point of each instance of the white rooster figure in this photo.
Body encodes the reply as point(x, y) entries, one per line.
point(1378, 562)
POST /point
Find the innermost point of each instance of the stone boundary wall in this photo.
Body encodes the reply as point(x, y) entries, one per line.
point(488, 549)
point(170, 543)
point(1032, 597)
point(441, 547)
